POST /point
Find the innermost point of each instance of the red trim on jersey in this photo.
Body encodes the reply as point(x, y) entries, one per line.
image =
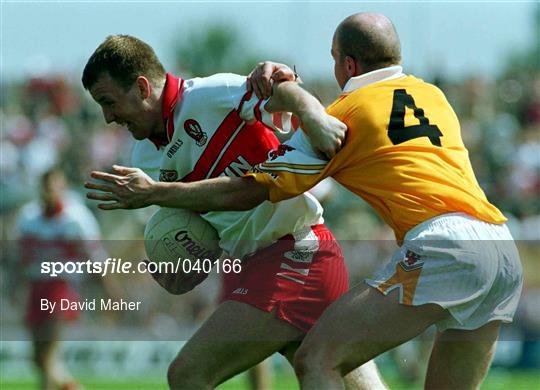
point(257, 110)
point(171, 95)
point(215, 147)
point(244, 99)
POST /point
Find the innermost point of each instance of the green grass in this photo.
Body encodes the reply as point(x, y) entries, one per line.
point(285, 380)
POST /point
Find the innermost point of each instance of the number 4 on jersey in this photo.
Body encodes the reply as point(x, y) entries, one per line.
point(398, 133)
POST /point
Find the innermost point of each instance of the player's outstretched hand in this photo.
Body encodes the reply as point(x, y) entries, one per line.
point(127, 188)
point(261, 79)
point(326, 133)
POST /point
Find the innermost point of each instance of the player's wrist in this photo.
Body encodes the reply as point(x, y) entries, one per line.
point(311, 117)
point(158, 193)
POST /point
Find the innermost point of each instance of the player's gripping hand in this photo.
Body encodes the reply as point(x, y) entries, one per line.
point(128, 188)
point(326, 133)
point(262, 78)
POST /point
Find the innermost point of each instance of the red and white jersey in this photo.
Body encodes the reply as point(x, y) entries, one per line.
point(215, 128)
point(71, 233)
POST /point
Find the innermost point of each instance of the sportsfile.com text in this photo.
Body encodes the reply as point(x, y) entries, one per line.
point(113, 265)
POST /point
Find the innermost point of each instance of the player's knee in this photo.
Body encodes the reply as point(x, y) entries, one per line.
point(306, 359)
point(315, 357)
point(182, 375)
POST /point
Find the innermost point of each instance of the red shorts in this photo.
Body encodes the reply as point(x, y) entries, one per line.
point(52, 290)
point(298, 278)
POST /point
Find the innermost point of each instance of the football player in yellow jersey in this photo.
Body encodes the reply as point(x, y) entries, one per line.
point(457, 266)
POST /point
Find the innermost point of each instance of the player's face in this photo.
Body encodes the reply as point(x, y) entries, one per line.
point(126, 108)
point(52, 190)
point(340, 66)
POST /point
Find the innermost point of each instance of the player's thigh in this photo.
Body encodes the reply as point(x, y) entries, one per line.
point(361, 325)
point(234, 338)
point(467, 352)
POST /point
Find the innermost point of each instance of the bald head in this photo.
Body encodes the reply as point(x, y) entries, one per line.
point(370, 39)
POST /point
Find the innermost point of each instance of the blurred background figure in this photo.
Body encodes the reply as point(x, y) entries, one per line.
point(57, 227)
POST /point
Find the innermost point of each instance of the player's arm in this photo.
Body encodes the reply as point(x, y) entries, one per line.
point(280, 83)
point(131, 188)
point(326, 133)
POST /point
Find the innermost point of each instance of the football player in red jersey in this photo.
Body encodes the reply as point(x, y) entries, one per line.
point(208, 127)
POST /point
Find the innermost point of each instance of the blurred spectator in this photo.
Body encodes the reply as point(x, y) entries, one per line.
point(55, 228)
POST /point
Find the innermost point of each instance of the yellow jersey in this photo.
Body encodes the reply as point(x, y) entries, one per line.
point(403, 155)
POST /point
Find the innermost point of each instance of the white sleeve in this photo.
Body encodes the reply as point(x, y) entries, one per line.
point(251, 108)
point(301, 142)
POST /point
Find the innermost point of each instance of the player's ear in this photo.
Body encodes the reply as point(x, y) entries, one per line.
point(351, 67)
point(144, 86)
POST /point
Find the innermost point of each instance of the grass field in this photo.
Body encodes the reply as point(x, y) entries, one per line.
point(497, 379)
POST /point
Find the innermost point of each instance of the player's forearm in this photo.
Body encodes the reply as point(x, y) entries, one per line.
point(219, 194)
point(289, 96)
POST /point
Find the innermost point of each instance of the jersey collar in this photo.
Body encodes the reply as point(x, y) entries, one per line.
point(383, 74)
point(55, 211)
point(172, 93)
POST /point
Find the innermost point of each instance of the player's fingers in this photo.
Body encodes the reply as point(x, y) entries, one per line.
point(320, 153)
point(279, 76)
point(257, 84)
point(330, 153)
point(124, 170)
point(325, 154)
point(266, 80)
point(338, 144)
point(256, 89)
point(112, 206)
point(283, 74)
point(101, 196)
point(98, 186)
point(105, 176)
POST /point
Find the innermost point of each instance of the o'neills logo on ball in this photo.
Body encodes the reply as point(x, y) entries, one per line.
point(192, 247)
point(194, 130)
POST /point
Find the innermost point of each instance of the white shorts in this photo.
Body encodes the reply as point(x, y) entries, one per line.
point(467, 266)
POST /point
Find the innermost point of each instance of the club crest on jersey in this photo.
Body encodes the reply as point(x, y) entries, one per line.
point(279, 151)
point(411, 261)
point(168, 175)
point(194, 130)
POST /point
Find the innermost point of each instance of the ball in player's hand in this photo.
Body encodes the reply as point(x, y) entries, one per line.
point(179, 241)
